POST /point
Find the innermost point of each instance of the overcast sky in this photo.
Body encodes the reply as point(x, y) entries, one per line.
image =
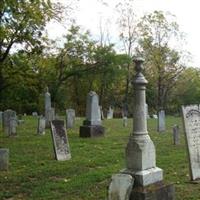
point(89, 13)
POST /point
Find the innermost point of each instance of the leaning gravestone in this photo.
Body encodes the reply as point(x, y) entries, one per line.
point(70, 118)
point(60, 140)
point(7, 115)
point(161, 121)
point(4, 159)
point(176, 135)
point(92, 125)
point(191, 119)
point(41, 126)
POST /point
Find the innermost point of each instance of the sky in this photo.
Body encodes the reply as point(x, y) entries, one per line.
point(91, 13)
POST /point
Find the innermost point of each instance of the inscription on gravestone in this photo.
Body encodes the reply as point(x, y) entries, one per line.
point(60, 140)
point(191, 119)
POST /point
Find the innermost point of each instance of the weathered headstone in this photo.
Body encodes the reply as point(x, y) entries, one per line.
point(110, 113)
point(7, 115)
point(125, 121)
point(92, 124)
point(49, 116)
point(155, 116)
point(161, 121)
point(13, 126)
point(191, 119)
point(140, 151)
point(34, 114)
point(4, 159)
point(60, 140)
point(176, 135)
point(70, 118)
point(120, 187)
point(41, 125)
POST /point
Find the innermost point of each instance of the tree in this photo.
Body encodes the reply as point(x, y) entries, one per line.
point(22, 24)
point(127, 22)
point(162, 61)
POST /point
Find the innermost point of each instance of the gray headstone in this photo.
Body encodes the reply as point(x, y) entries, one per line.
point(49, 116)
point(161, 121)
point(7, 115)
point(176, 135)
point(110, 113)
point(4, 159)
point(120, 187)
point(70, 118)
point(60, 140)
point(13, 126)
point(41, 125)
point(93, 116)
point(34, 114)
point(191, 119)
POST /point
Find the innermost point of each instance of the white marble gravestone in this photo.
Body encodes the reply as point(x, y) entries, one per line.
point(191, 119)
point(110, 113)
point(60, 140)
point(161, 121)
point(41, 125)
point(70, 118)
point(125, 121)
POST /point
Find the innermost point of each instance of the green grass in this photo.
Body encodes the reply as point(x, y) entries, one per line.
point(35, 174)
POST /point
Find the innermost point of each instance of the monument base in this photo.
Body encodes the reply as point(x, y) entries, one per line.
point(156, 191)
point(92, 131)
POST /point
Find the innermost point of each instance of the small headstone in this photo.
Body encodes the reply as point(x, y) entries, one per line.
point(34, 114)
point(41, 126)
point(125, 121)
point(25, 114)
point(161, 121)
point(13, 126)
point(102, 114)
point(7, 115)
point(176, 135)
point(120, 187)
point(4, 159)
point(92, 124)
point(60, 140)
point(191, 119)
point(110, 113)
point(70, 118)
point(155, 116)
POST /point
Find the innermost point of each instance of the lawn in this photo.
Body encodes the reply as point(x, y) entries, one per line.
point(35, 174)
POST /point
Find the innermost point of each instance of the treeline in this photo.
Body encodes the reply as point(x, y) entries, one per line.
point(83, 64)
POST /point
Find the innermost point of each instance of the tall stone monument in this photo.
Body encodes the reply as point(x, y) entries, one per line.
point(49, 111)
point(140, 151)
point(92, 124)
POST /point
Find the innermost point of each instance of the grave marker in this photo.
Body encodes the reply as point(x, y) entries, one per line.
point(70, 118)
point(176, 135)
point(191, 119)
point(41, 126)
point(60, 140)
point(161, 121)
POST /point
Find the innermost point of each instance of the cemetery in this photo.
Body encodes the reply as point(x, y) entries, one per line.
point(110, 114)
